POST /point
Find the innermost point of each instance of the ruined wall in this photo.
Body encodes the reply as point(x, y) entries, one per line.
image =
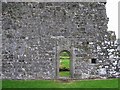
point(34, 34)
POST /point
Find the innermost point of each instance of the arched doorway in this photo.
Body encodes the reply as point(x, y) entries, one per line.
point(64, 64)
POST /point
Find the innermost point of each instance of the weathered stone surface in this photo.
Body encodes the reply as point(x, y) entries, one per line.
point(35, 33)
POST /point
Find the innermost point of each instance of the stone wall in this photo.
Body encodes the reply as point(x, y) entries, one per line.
point(35, 33)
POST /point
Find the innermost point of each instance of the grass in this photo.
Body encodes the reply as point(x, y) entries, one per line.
point(64, 60)
point(64, 73)
point(64, 64)
point(110, 83)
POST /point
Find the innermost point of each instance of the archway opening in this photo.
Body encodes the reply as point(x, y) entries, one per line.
point(64, 65)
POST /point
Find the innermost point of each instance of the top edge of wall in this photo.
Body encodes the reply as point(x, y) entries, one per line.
point(53, 0)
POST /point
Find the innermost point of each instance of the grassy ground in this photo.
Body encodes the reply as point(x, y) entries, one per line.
point(64, 60)
point(64, 64)
point(111, 83)
point(64, 74)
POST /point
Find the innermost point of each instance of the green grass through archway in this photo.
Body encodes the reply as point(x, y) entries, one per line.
point(64, 68)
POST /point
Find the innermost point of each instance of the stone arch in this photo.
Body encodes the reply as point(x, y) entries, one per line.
point(71, 61)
